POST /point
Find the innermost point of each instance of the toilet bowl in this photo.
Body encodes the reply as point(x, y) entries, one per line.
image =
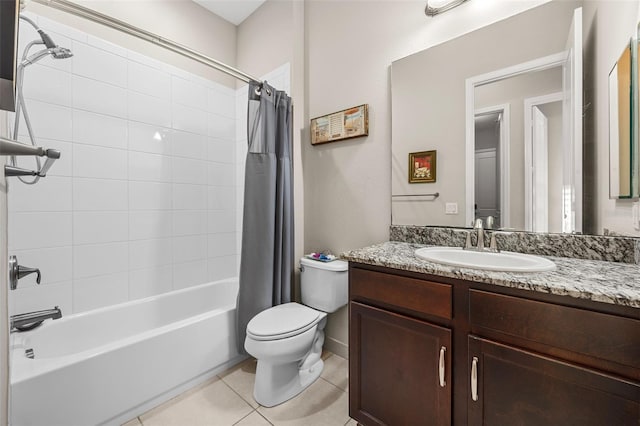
point(287, 339)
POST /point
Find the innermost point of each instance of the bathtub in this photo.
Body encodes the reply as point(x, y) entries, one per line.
point(109, 365)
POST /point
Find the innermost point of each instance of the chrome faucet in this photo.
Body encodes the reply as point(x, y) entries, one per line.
point(17, 272)
point(480, 234)
point(31, 320)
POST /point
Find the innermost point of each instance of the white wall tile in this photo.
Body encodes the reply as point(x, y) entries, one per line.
point(221, 174)
point(150, 281)
point(98, 64)
point(222, 127)
point(150, 196)
point(150, 253)
point(186, 170)
point(145, 60)
point(222, 267)
point(189, 274)
point(149, 167)
point(39, 230)
point(221, 103)
point(100, 194)
point(189, 248)
point(191, 145)
point(49, 85)
point(48, 121)
point(98, 162)
point(149, 138)
point(96, 292)
point(149, 109)
point(54, 264)
point(51, 193)
point(189, 222)
point(30, 299)
point(50, 27)
point(105, 45)
point(150, 81)
point(221, 197)
point(189, 197)
point(221, 150)
point(144, 224)
point(96, 96)
point(98, 129)
point(221, 221)
point(188, 93)
point(189, 119)
point(100, 259)
point(222, 245)
point(100, 227)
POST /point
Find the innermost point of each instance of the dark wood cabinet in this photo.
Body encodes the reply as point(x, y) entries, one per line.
point(510, 386)
point(383, 390)
point(510, 357)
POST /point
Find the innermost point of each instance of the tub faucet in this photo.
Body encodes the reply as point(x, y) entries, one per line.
point(31, 320)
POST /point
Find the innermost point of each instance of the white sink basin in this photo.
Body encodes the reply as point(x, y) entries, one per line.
point(504, 261)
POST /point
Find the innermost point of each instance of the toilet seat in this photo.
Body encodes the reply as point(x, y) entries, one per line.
point(282, 321)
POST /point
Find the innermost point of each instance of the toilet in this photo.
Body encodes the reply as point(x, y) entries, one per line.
point(287, 339)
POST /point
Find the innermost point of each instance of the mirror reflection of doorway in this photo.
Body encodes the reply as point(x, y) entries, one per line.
point(488, 175)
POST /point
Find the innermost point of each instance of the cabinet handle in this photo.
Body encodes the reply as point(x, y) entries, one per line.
point(474, 379)
point(443, 351)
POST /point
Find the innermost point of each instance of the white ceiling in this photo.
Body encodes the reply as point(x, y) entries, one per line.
point(234, 11)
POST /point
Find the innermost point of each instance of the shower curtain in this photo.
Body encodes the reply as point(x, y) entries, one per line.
point(266, 262)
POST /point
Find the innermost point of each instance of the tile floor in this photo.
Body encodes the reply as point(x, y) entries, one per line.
point(227, 400)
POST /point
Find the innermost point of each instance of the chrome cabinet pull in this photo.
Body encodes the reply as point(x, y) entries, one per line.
point(474, 379)
point(443, 351)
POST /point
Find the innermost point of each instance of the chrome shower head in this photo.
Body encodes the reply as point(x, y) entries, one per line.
point(52, 48)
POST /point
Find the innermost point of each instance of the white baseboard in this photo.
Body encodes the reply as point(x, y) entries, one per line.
point(337, 347)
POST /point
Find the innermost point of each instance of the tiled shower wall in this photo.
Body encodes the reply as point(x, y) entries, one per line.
point(144, 199)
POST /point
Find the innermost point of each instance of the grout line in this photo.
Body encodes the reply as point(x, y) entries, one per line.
point(244, 417)
point(237, 393)
point(261, 415)
point(333, 384)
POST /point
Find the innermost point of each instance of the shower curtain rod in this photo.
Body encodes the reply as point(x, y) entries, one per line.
point(100, 18)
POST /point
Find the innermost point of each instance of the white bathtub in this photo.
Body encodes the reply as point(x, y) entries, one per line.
point(108, 365)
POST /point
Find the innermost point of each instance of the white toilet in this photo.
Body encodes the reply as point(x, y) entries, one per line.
point(287, 339)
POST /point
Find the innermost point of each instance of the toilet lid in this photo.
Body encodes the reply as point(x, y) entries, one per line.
point(282, 321)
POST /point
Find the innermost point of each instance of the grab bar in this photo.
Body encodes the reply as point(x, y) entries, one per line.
point(14, 148)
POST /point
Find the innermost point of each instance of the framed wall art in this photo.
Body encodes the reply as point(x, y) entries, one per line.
point(422, 167)
point(345, 124)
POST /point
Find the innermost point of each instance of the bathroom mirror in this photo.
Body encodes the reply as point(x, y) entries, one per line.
point(452, 96)
point(620, 126)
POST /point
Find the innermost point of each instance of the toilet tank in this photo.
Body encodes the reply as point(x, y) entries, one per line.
point(324, 285)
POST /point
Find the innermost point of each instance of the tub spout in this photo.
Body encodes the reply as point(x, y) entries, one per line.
point(30, 320)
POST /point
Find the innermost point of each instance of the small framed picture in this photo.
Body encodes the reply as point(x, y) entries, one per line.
point(422, 167)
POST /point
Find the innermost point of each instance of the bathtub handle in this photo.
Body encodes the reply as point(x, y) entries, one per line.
point(17, 271)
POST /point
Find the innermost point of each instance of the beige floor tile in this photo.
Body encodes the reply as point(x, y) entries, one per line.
point(212, 405)
point(241, 379)
point(253, 419)
point(321, 404)
point(336, 371)
point(133, 422)
point(351, 422)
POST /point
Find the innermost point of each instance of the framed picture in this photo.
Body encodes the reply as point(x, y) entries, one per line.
point(422, 167)
point(345, 124)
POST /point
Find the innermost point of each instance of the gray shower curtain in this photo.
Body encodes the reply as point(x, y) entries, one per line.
point(266, 262)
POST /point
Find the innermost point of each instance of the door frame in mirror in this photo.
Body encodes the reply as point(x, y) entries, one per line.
point(539, 64)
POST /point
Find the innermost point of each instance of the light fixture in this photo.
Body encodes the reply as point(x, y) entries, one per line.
point(435, 7)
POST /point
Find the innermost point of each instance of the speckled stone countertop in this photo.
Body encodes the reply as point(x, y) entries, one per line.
point(600, 281)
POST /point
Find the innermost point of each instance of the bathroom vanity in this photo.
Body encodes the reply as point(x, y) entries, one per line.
point(437, 345)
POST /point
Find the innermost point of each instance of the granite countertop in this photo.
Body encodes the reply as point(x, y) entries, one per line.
point(608, 282)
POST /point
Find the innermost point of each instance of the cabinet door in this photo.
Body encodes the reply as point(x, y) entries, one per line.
point(509, 386)
point(399, 369)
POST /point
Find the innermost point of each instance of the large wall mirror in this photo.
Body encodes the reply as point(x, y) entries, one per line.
point(502, 107)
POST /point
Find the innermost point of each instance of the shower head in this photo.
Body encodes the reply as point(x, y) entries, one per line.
point(56, 51)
